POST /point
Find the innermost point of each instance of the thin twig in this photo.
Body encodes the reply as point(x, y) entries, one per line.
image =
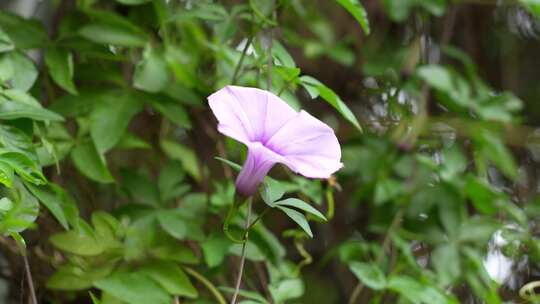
point(29, 279)
point(241, 61)
point(243, 255)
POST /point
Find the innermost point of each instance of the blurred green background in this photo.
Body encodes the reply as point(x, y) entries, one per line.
point(111, 191)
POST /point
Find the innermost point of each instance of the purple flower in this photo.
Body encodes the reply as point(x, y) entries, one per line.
point(274, 133)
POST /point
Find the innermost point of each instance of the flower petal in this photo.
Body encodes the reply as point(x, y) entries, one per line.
point(249, 114)
point(308, 145)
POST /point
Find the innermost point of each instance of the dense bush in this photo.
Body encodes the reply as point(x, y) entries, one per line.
point(118, 188)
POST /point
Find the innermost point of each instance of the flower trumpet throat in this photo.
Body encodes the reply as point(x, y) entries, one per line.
point(274, 133)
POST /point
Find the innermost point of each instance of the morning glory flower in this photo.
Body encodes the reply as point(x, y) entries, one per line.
point(274, 133)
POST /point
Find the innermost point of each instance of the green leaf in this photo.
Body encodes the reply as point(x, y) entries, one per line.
point(454, 163)
point(170, 180)
point(7, 67)
point(477, 230)
point(451, 207)
point(415, 291)
point(60, 65)
point(89, 162)
point(20, 97)
point(294, 202)
point(185, 155)
point(112, 34)
point(6, 44)
point(299, 218)
point(455, 90)
point(493, 149)
point(14, 138)
point(24, 72)
point(482, 196)
point(445, 259)
point(180, 226)
point(132, 141)
point(6, 174)
point(214, 249)
point(171, 277)
point(282, 56)
point(22, 213)
point(5, 205)
point(134, 288)
point(175, 252)
point(251, 295)
point(75, 276)
point(386, 190)
point(67, 278)
point(174, 225)
point(14, 110)
point(355, 8)
point(78, 242)
point(151, 73)
point(25, 167)
point(25, 33)
point(533, 6)
point(106, 228)
point(271, 191)
point(171, 109)
point(316, 88)
point(79, 105)
point(110, 118)
point(286, 289)
point(52, 201)
point(231, 164)
point(140, 188)
point(370, 274)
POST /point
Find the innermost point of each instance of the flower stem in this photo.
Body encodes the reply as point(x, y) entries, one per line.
point(330, 202)
point(243, 255)
point(219, 297)
point(226, 224)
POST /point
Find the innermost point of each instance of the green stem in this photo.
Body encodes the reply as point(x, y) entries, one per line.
point(303, 252)
point(219, 297)
point(259, 217)
point(285, 86)
point(330, 202)
point(241, 61)
point(243, 255)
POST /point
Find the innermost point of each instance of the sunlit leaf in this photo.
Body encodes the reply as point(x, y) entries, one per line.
point(134, 287)
point(370, 274)
point(355, 8)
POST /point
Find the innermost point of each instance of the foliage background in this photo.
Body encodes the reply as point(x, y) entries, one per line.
point(111, 192)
